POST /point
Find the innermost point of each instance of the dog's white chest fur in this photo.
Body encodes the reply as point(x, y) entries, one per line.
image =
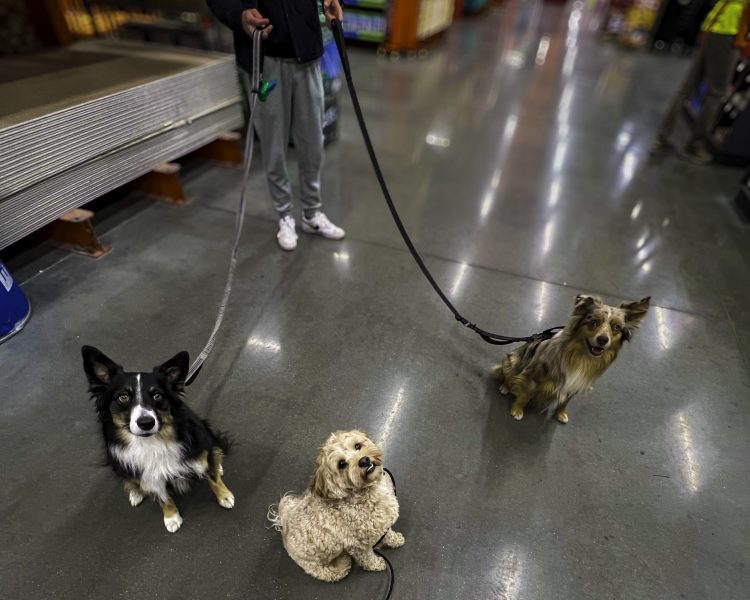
point(158, 462)
point(576, 382)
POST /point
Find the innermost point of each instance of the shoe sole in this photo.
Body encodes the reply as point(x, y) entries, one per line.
point(307, 229)
point(286, 249)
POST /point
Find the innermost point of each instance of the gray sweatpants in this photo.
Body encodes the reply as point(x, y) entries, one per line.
point(295, 107)
point(713, 64)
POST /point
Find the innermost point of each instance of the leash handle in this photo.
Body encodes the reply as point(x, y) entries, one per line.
point(337, 28)
point(491, 338)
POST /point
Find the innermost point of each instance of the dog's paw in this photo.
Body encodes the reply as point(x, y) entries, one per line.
point(227, 501)
point(173, 523)
point(135, 497)
point(562, 417)
point(396, 540)
point(221, 470)
point(516, 413)
point(376, 564)
point(504, 390)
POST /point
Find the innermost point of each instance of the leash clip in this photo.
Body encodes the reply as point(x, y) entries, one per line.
point(266, 87)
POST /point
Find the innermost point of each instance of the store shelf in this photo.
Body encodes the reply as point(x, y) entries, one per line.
point(366, 26)
point(414, 22)
point(371, 4)
point(474, 6)
point(366, 36)
point(79, 121)
point(435, 16)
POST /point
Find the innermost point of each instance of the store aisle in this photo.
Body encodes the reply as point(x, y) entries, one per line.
point(517, 153)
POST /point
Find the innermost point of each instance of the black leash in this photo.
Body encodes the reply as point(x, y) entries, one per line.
point(490, 338)
point(392, 580)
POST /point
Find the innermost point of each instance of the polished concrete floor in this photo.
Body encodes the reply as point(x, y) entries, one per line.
point(517, 153)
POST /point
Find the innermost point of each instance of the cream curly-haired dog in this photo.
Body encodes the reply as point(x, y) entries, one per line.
point(348, 507)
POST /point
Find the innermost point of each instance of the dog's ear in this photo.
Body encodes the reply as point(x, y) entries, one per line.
point(175, 370)
point(98, 367)
point(634, 314)
point(585, 303)
point(324, 482)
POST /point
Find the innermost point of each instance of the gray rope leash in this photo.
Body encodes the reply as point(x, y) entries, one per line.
point(255, 87)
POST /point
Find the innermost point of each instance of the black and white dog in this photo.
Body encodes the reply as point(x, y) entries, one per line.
point(154, 442)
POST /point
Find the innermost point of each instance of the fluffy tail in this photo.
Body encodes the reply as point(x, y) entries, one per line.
point(274, 519)
point(276, 513)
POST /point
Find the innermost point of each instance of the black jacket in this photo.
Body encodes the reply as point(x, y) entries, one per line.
point(296, 28)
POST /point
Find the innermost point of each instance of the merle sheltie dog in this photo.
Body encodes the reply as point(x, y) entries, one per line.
point(154, 442)
point(552, 371)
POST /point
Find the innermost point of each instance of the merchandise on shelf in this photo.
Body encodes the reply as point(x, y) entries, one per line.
point(679, 23)
point(366, 20)
point(330, 68)
point(613, 23)
point(639, 22)
point(473, 6)
point(434, 16)
point(413, 22)
point(62, 146)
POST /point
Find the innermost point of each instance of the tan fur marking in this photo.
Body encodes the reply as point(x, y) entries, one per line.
point(167, 432)
point(132, 485)
point(220, 490)
point(523, 389)
point(223, 494)
point(169, 508)
point(202, 460)
point(165, 417)
point(123, 427)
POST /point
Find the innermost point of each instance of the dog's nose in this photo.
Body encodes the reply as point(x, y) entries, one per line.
point(602, 340)
point(146, 423)
point(365, 462)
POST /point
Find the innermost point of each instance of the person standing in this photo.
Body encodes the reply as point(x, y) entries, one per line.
point(293, 45)
point(716, 58)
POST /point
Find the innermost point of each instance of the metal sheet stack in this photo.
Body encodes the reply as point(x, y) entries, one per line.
point(79, 122)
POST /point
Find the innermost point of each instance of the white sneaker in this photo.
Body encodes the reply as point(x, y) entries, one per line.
point(320, 225)
point(287, 235)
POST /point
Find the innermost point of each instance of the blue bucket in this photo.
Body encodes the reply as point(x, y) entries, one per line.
point(15, 309)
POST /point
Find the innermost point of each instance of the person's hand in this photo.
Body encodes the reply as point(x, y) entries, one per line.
point(253, 20)
point(332, 10)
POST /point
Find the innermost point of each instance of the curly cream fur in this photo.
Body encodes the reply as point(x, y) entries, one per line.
point(343, 513)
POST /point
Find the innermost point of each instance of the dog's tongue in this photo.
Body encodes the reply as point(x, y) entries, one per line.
point(596, 351)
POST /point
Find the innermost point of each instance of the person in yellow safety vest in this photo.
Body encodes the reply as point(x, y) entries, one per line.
point(715, 60)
